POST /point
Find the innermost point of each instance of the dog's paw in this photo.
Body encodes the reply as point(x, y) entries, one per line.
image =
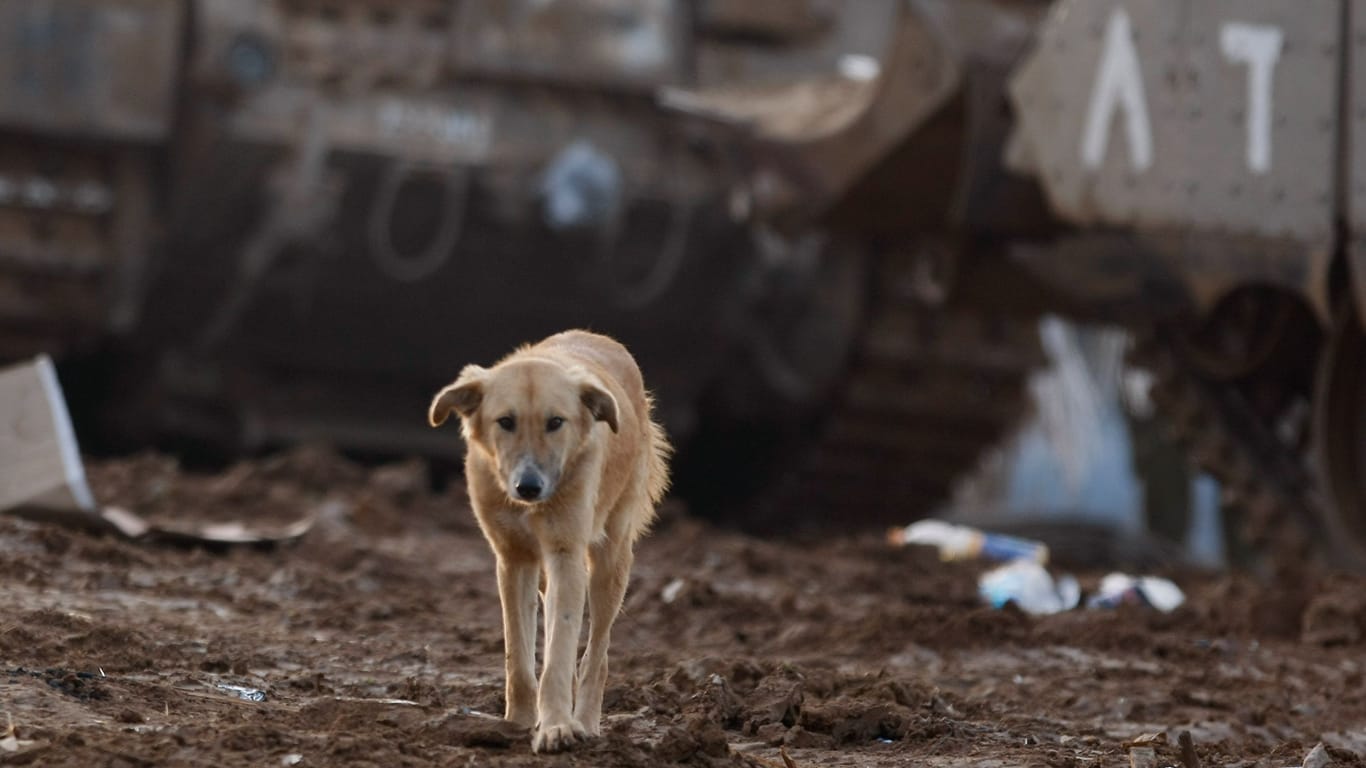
point(557, 737)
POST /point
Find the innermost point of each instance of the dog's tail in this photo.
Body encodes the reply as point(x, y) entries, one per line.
point(660, 450)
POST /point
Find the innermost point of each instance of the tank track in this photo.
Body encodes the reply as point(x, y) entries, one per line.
point(931, 386)
point(1268, 493)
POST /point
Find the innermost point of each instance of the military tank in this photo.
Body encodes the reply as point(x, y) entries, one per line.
point(1189, 170)
point(826, 228)
point(1209, 154)
point(244, 225)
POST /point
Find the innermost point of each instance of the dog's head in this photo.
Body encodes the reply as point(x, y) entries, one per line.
point(531, 417)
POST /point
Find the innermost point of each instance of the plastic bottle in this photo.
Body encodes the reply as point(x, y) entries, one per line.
point(959, 542)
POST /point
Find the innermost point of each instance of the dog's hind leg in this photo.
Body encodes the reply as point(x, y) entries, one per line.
point(609, 569)
point(518, 578)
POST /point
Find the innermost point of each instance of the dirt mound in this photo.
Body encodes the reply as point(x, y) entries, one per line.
point(375, 640)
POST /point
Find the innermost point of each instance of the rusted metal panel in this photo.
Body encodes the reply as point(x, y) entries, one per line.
point(1217, 115)
point(103, 68)
point(629, 43)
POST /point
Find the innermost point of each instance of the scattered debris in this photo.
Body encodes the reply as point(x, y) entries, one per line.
point(10, 741)
point(1122, 589)
point(128, 525)
point(393, 702)
point(1034, 590)
point(958, 542)
point(1142, 757)
point(1030, 587)
point(43, 477)
point(233, 532)
point(1317, 757)
point(1143, 750)
point(672, 590)
point(294, 758)
point(243, 692)
point(1147, 739)
point(918, 662)
point(1189, 758)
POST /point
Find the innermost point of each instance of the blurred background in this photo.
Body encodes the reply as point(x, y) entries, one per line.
point(1091, 262)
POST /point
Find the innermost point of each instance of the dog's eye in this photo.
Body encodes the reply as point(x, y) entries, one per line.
point(554, 423)
point(508, 423)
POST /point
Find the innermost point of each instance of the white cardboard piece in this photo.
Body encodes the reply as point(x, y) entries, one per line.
point(42, 477)
point(40, 463)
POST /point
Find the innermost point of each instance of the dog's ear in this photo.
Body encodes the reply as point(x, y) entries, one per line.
point(599, 402)
point(463, 396)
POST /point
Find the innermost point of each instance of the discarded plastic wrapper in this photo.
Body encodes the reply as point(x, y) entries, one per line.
point(959, 542)
point(243, 692)
point(42, 477)
point(1120, 588)
point(1029, 586)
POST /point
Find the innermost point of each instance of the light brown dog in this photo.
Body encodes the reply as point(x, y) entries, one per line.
point(565, 467)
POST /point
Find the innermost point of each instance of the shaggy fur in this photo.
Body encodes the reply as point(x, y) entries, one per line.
point(565, 466)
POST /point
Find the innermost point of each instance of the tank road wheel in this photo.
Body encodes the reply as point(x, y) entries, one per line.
point(1243, 332)
point(1340, 428)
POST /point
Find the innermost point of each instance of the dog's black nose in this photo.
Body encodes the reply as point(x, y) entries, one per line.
point(528, 488)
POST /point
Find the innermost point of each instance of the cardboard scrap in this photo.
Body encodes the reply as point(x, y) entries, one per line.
point(39, 461)
point(1143, 749)
point(42, 477)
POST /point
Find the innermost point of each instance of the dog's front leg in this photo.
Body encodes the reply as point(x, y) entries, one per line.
point(517, 581)
point(610, 567)
point(566, 583)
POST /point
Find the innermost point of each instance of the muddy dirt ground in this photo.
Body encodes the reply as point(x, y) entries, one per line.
point(375, 640)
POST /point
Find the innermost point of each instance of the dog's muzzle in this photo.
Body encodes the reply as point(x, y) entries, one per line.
point(528, 483)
